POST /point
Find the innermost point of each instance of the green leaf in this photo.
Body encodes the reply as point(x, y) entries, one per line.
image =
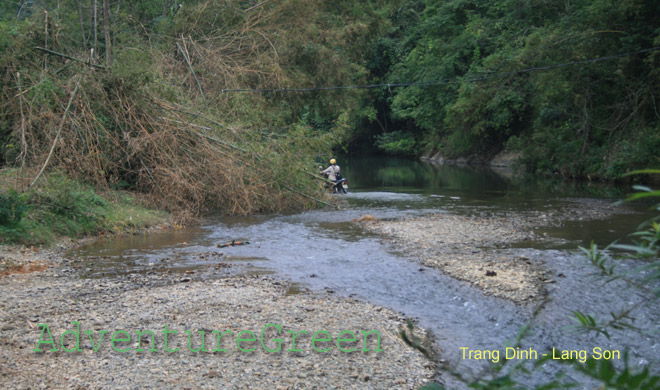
point(642, 195)
point(643, 172)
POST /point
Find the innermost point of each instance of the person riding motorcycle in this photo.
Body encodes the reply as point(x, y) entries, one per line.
point(336, 183)
point(332, 171)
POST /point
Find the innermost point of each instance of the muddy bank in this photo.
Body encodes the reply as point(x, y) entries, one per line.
point(150, 302)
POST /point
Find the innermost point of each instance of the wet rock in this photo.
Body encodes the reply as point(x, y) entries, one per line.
point(366, 218)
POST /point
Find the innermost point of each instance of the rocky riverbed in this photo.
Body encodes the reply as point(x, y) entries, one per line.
point(476, 247)
point(215, 310)
point(466, 248)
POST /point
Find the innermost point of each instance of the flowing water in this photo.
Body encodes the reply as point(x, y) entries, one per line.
point(324, 250)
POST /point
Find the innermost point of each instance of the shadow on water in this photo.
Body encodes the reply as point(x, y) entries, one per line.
point(323, 249)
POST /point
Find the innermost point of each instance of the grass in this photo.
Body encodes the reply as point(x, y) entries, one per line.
point(60, 207)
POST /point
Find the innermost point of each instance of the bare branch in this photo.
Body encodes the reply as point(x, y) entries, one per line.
point(59, 130)
point(69, 57)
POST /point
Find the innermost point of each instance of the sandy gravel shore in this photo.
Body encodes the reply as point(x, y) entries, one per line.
point(466, 248)
point(58, 298)
point(476, 248)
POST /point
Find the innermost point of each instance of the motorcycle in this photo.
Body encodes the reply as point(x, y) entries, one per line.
point(339, 186)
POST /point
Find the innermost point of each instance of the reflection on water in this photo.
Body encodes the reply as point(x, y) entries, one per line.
point(402, 175)
point(391, 182)
point(389, 187)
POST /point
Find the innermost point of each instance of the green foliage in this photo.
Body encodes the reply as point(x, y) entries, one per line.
point(596, 119)
point(599, 259)
point(12, 208)
point(69, 200)
point(588, 323)
point(157, 122)
point(397, 142)
point(625, 379)
point(207, 19)
point(63, 207)
point(170, 64)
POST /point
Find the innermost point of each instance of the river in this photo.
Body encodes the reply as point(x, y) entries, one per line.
point(325, 250)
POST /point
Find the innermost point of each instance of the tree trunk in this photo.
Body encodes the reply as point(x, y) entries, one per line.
point(94, 51)
point(82, 25)
point(46, 39)
point(106, 31)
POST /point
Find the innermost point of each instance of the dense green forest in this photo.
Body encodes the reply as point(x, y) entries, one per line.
point(598, 118)
point(145, 95)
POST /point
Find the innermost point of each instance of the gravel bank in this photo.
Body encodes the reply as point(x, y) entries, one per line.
point(475, 248)
point(58, 298)
point(466, 248)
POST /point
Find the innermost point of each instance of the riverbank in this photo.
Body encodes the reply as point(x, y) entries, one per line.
point(503, 159)
point(57, 297)
point(59, 209)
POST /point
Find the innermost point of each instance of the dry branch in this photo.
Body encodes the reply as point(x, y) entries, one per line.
point(69, 57)
point(20, 102)
point(59, 131)
point(185, 56)
point(184, 157)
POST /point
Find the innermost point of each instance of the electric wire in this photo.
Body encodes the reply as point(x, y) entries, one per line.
point(454, 80)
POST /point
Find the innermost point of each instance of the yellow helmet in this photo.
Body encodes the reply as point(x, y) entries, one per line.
point(333, 161)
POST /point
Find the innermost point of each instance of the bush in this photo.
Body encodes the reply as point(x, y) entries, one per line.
point(60, 206)
point(12, 208)
point(69, 207)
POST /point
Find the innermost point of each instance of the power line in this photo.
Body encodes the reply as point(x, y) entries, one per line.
point(427, 83)
point(442, 82)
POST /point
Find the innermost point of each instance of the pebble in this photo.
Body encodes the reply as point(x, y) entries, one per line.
point(149, 302)
point(462, 246)
point(469, 248)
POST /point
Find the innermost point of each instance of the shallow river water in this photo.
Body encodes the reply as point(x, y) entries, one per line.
point(324, 250)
